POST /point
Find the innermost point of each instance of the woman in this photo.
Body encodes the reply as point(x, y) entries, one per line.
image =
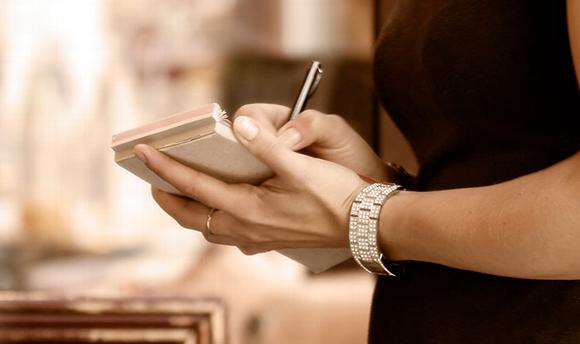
point(486, 93)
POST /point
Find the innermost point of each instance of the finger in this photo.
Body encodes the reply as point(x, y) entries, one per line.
point(188, 213)
point(249, 250)
point(194, 215)
point(265, 146)
point(252, 249)
point(206, 189)
point(222, 222)
point(272, 116)
point(313, 127)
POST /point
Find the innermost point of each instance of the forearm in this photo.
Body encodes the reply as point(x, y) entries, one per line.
point(528, 227)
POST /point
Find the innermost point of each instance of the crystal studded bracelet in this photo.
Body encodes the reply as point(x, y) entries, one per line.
point(363, 227)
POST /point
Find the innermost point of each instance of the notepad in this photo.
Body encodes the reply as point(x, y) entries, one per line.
point(203, 139)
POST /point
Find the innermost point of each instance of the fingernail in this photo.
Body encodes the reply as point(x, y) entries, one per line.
point(290, 137)
point(246, 127)
point(139, 153)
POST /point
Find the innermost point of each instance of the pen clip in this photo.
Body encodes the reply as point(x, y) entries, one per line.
point(316, 82)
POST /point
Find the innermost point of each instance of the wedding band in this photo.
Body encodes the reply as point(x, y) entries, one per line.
point(208, 221)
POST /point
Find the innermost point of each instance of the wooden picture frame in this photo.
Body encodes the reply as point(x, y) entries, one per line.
point(26, 318)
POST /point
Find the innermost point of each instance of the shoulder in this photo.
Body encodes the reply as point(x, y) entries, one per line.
point(573, 8)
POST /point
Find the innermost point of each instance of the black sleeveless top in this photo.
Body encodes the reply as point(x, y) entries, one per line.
point(485, 91)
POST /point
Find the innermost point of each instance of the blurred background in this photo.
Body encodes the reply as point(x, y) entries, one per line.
point(74, 72)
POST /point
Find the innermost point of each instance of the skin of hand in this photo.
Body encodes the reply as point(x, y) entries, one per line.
point(321, 135)
point(306, 204)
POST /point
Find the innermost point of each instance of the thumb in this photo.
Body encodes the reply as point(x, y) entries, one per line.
point(264, 145)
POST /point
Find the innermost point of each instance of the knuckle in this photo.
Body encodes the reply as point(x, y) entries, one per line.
point(209, 237)
point(317, 122)
point(157, 197)
point(248, 251)
point(257, 197)
point(215, 239)
point(191, 190)
point(336, 119)
point(310, 117)
point(182, 222)
point(244, 108)
point(250, 110)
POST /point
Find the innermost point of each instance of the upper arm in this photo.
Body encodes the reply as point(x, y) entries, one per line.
point(573, 8)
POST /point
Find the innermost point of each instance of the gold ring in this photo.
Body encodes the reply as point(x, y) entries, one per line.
point(208, 221)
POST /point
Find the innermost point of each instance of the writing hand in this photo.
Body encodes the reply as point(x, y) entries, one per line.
point(325, 136)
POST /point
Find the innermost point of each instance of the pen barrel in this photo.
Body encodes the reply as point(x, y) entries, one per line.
point(309, 86)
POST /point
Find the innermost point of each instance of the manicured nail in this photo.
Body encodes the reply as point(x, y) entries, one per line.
point(290, 137)
point(246, 127)
point(138, 150)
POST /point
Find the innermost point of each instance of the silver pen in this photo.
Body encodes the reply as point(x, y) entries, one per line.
point(309, 86)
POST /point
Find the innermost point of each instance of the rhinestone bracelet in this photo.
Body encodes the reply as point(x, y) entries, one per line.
point(363, 227)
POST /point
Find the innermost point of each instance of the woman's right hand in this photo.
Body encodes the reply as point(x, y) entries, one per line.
point(324, 136)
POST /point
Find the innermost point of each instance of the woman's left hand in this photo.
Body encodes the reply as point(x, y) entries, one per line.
point(305, 205)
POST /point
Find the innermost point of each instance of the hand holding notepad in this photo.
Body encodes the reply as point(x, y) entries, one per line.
point(203, 140)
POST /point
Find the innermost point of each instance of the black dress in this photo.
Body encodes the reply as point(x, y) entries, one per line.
point(485, 91)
